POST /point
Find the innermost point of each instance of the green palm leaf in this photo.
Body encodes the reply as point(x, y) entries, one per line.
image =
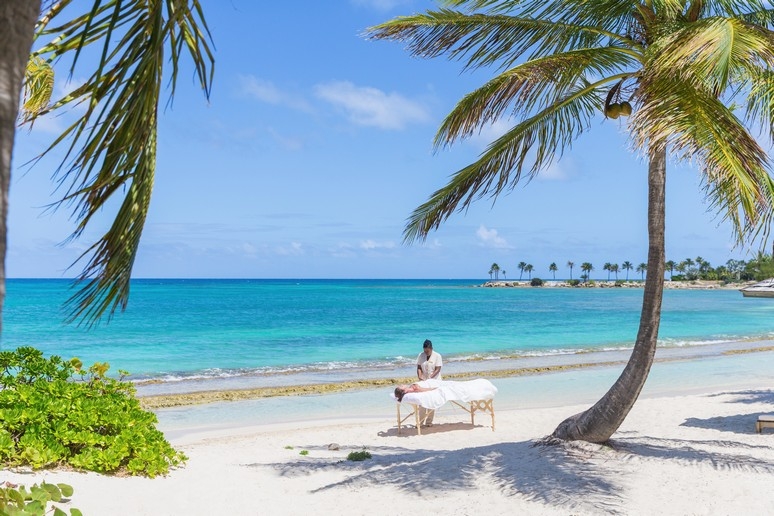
point(111, 148)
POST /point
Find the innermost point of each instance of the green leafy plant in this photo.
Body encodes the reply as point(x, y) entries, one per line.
point(54, 412)
point(288, 447)
point(304, 452)
point(359, 455)
point(536, 282)
point(17, 500)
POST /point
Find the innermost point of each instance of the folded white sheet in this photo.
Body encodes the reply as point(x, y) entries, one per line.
point(471, 390)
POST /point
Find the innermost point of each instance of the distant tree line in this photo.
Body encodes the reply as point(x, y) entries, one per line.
point(759, 268)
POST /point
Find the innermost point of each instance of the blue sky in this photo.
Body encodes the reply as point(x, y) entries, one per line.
point(315, 147)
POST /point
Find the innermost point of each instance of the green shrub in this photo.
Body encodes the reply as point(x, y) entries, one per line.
point(573, 282)
point(536, 282)
point(54, 412)
point(18, 501)
point(619, 283)
point(359, 455)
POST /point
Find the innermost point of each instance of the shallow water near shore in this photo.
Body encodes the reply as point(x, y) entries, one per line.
point(580, 387)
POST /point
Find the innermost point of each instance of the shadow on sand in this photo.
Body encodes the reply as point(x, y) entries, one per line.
point(558, 475)
point(571, 476)
point(737, 423)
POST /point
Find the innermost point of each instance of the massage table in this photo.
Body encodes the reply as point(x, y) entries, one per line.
point(471, 396)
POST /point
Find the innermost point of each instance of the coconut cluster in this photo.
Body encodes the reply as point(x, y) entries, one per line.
point(615, 109)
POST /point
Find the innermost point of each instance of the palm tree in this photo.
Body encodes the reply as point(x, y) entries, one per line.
point(111, 148)
point(529, 268)
point(586, 267)
point(553, 268)
point(670, 266)
point(17, 25)
point(614, 269)
point(607, 267)
point(494, 269)
point(627, 266)
point(689, 266)
point(642, 268)
point(521, 266)
point(503, 271)
point(570, 265)
point(735, 268)
point(703, 267)
point(677, 67)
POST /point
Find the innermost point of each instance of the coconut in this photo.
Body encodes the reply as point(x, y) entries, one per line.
point(626, 109)
point(613, 110)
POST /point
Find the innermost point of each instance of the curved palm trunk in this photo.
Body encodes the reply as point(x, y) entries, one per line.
point(17, 26)
point(599, 422)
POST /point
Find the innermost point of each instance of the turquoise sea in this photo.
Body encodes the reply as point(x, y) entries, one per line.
point(185, 334)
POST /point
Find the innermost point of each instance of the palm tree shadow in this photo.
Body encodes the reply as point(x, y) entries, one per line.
point(562, 475)
point(738, 423)
point(691, 452)
point(749, 396)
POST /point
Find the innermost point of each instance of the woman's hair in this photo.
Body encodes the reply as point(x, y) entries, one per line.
point(399, 393)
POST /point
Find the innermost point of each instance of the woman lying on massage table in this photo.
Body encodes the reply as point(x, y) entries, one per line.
point(401, 390)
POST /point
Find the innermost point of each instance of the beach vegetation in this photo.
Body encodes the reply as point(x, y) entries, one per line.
point(574, 282)
point(17, 500)
point(587, 268)
point(761, 268)
point(536, 282)
point(696, 74)
point(109, 151)
point(304, 452)
point(55, 412)
point(359, 455)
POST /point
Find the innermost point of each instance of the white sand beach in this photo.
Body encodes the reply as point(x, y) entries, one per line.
point(686, 448)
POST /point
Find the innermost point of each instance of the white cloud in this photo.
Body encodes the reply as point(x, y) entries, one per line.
point(266, 91)
point(287, 143)
point(371, 245)
point(372, 107)
point(381, 5)
point(553, 173)
point(490, 132)
point(490, 238)
point(249, 249)
point(294, 249)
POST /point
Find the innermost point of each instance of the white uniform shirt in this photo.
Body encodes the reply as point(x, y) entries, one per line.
point(428, 365)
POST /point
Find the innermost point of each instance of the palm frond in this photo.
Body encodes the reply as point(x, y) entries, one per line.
point(539, 139)
point(531, 86)
point(710, 51)
point(111, 148)
point(698, 127)
point(760, 100)
point(38, 86)
point(482, 40)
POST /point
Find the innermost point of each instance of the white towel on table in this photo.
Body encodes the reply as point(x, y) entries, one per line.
point(471, 390)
